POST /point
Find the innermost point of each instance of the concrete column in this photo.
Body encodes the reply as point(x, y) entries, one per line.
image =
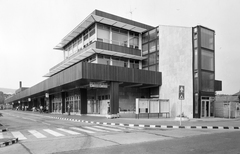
point(114, 97)
point(63, 101)
point(83, 99)
point(50, 103)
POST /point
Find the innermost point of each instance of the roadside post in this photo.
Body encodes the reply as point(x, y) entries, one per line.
point(68, 109)
point(181, 97)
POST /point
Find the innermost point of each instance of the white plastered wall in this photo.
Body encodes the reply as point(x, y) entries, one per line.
point(175, 63)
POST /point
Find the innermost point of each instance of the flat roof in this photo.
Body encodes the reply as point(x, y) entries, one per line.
point(105, 18)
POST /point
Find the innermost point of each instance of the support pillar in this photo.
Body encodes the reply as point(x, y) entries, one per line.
point(50, 103)
point(63, 101)
point(83, 98)
point(114, 97)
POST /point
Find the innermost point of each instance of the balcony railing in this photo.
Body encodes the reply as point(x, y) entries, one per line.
point(104, 46)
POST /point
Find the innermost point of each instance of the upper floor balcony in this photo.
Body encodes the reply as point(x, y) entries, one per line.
point(96, 47)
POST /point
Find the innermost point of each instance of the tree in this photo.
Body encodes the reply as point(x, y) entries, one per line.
point(1, 97)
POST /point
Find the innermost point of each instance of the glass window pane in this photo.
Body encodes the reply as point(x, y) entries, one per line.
point(195, 43)
point(145, 63)
point(207, 60)
point(195, 59)
point(119, 38)
point(152, 59)
point(152, 68)
point(207, 38)
point(103, 35)
point(145, 49)
point(207, 82)
point(152, 34)
point(195, 81)
point(152, 46)
point(145, 37)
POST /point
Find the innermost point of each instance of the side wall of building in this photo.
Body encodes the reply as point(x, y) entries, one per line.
point(175, 63)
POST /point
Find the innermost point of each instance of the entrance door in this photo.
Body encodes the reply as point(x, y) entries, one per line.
point(205, 107)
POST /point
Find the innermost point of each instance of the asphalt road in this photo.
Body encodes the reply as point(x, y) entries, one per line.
point(40, 134)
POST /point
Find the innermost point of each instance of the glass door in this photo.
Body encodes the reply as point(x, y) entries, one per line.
point(205, 107)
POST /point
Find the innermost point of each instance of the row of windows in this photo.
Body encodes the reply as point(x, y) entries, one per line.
point(82, 40)
point(114, 61)
point(151, 35)
point(118, 36)
point(104, 97)
point(206, 53)
point(150, 49)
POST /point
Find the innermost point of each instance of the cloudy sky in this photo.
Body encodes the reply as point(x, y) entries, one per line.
point(30, 29)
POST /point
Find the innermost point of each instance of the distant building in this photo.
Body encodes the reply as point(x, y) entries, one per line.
point(110, 59)
point(227, 106)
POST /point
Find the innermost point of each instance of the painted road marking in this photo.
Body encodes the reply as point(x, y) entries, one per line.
point(68, 131)
point(83, 130)
point(36, 134)
point(108, 128)
point(53, 132)
point(1, 135)
point(18, 135)
point(120, 127)
point(99, 130)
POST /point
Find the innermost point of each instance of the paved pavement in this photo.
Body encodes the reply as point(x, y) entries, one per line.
point(204, 123)
point(209, 123)
point(162, 122)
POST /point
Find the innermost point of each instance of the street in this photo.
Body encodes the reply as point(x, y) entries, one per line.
point(40, 134)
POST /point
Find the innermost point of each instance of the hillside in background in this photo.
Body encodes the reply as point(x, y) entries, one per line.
point(7, 90)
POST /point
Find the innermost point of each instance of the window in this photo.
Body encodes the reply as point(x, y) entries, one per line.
point(134, 64)
point(145, 49)
point(118, 62)
point(152, 46)
point(145, 62)
point(145, 37)
point(103, 59)
point(152, 34)
point(207, 81)
point(195, 59)
point(152, 59)
point(152, 68)
point(103, 33)
point(119, 36)
point(207, 37)
point(133, 40)
point(207, 60)
point(196, 81)
point(195, 43)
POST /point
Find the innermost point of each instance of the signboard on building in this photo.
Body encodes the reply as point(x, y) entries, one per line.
point(181, 92)
point(98, 85)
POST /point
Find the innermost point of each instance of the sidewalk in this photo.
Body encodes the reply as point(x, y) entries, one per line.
point(206, 123)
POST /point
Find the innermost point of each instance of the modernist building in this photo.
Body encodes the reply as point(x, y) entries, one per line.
point(110, 59)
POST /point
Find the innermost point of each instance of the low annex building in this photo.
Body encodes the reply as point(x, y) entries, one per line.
point(110, 60)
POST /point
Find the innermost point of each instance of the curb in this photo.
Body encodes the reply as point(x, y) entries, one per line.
point(7, 143)
point(154, 126)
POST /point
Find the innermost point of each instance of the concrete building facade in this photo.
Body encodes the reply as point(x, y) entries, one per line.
point(112, 61)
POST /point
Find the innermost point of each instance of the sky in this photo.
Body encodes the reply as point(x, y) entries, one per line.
point(30, 29)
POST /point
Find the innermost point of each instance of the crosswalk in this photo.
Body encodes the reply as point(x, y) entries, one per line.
point(61, 132)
